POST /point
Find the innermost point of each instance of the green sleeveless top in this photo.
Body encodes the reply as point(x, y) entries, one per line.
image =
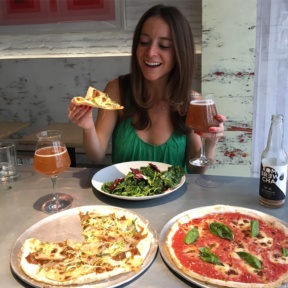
point(127, 146)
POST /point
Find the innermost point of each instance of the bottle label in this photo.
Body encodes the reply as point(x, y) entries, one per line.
point(273, 180)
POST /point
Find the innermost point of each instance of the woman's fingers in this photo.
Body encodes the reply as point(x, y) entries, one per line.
point(213, 133)
point(221, 118)
point(217, 129)
point(77, 113)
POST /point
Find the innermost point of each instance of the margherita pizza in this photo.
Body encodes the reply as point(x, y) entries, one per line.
point(230, 247)
point(113, 243)
point(97, 99)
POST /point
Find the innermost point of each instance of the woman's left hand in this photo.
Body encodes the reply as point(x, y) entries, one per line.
point(214, 132)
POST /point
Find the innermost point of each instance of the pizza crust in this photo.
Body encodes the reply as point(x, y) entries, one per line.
point(198, 213)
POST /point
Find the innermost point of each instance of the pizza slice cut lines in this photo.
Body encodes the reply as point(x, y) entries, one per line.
point(114, 243)
point(251, 257)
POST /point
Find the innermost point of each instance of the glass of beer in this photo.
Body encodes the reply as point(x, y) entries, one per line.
point(51, 158)
point(200, 117)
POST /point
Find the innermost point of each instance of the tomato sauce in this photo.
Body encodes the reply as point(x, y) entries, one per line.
point(235, 269)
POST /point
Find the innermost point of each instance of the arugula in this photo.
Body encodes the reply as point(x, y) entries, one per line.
point(145, 181)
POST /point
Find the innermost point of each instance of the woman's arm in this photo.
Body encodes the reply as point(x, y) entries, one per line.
point(96, 136)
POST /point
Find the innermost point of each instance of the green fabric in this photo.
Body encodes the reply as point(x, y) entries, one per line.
point(127, 146)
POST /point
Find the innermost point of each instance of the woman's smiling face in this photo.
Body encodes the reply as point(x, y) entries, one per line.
point(155, 51)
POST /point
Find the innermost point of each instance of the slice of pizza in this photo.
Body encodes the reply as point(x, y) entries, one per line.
point(98, 99)
point(66, 262)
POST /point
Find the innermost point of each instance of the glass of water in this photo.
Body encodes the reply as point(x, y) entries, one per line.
point(8, 162)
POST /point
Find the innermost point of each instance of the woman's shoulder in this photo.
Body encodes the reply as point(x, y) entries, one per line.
point(112, 89)
point(116, 84)
point(118, 88)
point(112, 84)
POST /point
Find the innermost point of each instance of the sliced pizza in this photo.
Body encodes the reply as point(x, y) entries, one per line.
point(123, 237)
point(230, 247)
point(113, 243)
point(98, 99)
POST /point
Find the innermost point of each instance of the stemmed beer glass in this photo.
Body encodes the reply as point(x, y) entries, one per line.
point(51, 158)
point(200, 117)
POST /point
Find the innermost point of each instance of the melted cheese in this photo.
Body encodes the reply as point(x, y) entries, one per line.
point(277, 257)
point(263, 240)
point(112, 245)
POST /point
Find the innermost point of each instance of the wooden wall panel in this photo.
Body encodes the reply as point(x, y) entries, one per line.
point(228, 54)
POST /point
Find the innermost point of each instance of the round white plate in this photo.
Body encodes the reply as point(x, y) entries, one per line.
point(113, 172)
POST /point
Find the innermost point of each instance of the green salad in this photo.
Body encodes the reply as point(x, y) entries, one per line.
point(145, 181)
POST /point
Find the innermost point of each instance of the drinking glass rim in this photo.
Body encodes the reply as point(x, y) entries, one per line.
point(49, 134)
point(5, 144)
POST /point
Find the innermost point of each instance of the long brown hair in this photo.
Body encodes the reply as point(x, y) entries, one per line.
point(179, 83)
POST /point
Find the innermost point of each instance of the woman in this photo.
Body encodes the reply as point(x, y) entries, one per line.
point(156, 95)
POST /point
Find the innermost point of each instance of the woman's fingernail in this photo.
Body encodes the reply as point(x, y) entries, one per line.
point(211, 129)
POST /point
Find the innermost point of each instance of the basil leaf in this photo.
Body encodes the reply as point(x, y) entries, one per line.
point(254, 228)
point(207, 256)
point(284, 252)
point(191, 236)
point(221, 230)
point(250, 259)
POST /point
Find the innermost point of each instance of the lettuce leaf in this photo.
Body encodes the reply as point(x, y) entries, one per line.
point(145, 181)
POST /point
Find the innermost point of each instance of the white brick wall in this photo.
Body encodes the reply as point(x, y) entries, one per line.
point(27, 41)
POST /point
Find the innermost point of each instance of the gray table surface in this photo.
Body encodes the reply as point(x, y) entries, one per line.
point(20, 200)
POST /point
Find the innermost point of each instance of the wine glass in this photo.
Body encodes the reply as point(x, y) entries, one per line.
point(51, 158)
point(200, 117)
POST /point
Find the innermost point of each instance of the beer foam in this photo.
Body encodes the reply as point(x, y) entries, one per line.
point(202, 102)
point(50, 154)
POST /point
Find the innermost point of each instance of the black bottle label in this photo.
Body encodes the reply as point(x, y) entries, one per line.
point(273, 182)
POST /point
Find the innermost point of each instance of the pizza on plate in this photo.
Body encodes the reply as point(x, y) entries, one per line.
point(98, 99)
point(113, 243)
point(230, 247)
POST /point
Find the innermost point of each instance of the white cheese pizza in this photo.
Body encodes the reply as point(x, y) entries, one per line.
point(113, 243)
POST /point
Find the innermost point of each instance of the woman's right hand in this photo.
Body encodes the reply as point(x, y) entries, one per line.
point(81, 116)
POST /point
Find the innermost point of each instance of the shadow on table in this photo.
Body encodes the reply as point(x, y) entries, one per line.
point(105, 198)
point(84, 176)
point(40, 201)
point(20, 281)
